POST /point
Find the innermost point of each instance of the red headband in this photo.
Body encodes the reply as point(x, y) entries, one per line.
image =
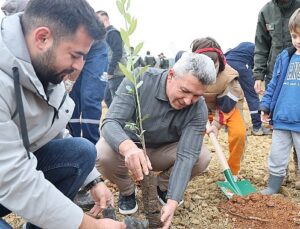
point(219, 51)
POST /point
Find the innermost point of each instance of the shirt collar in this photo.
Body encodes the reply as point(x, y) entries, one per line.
point(161, 93)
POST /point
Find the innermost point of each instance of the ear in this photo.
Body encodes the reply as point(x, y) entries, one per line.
point(171, 73)
point(43, 38)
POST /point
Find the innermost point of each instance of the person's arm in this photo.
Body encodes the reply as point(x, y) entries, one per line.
point(122, 110)
point(227, 100)
point(188, 150)
point(154, 61)
point(265, 104)
point(263, 43)
point(116, 45)
point(90, 223)
point(23, 187)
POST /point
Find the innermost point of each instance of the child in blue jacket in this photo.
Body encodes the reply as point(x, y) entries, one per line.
point(281, 106)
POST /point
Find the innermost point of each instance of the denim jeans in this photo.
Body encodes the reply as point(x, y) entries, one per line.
point(65, 163)
point(4, 225)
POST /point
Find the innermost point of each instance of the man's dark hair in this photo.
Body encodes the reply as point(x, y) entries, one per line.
point(148, 52)
point(102, 13)
point(62, 17)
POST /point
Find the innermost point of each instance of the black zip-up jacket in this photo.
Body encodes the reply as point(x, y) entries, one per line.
point(272, 36)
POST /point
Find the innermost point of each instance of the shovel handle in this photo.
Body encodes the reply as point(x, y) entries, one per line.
point(218, 148)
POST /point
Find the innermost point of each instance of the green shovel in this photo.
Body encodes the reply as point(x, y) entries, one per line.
point(229, 187)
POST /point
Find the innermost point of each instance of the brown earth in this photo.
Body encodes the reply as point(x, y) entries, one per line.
point(205, 206)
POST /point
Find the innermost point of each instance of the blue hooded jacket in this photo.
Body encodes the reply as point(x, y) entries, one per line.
point(286, 119)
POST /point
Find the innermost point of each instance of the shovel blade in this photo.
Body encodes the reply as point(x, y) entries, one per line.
point(245, 187)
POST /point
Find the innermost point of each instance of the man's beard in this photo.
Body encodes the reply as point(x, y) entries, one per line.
point(44, 67)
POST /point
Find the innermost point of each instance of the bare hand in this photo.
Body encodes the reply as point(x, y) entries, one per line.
point(137, 163)
point(265, 117)
point(212, 129)
point(102, 197)
point(257, 87)
point(91, 223)
point(109, 224)
point(167, 213)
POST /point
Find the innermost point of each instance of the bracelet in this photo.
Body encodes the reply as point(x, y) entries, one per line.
point(93, 183)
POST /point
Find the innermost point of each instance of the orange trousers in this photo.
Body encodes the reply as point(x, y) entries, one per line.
point(236, 138)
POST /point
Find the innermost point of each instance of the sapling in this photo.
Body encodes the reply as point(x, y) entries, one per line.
point(149, 183)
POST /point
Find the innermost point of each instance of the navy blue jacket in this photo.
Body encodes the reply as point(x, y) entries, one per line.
point(243, 53)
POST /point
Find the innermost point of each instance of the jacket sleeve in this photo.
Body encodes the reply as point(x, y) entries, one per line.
point(23, 189)
point(120, 111)
point(116, 45)
point(262, 48)
point(188, 150)
point(229, 98)
point(265, 104)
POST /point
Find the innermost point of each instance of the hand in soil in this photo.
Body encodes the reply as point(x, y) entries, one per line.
point(167, 213)
point(102, 197)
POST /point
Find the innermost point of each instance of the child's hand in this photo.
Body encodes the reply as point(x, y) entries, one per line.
point(265, 117)
point(212, 129)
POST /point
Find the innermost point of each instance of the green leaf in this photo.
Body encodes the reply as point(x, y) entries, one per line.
point(128, 4)
point(139, 84)
point(145, 117)
point(138, 48)
point(131, 126)
point(132, 26)
point(125, 37)
point(128, 18)
point(143, 132)
point(120, 6)
point(138, 136)
point(129, 89)
point(127, 74)
point(141, 71)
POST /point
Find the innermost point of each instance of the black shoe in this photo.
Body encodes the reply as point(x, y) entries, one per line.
point(84, 200)
point(162, 197)
point(127, 204)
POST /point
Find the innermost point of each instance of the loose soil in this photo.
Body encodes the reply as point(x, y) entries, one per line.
point(258, 211)
point(205, 206)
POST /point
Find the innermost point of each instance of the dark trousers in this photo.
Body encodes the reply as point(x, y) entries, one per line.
point(87, 93)
point(65, 163)
point(247, 83)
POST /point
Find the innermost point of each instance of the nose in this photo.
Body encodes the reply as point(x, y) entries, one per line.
point(188, 100)
point(78, 64)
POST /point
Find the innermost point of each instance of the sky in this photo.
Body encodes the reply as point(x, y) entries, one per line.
point(171, 25)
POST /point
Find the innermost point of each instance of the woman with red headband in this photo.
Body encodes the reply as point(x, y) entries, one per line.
point(224, 100)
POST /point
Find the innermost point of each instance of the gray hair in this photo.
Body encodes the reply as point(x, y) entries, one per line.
point(199, 65)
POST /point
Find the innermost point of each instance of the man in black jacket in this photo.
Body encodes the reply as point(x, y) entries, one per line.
point(116, 54)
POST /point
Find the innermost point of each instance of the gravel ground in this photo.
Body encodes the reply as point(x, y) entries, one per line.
point(203, 198)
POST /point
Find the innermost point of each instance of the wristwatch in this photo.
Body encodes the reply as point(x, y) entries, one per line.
point(93, 183)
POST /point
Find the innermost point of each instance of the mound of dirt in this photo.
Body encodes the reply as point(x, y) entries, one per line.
point(261, 211)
